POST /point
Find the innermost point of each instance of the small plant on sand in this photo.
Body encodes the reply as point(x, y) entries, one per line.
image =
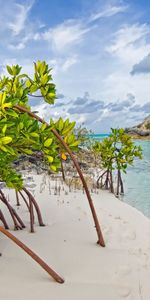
point(116, 152)
point(22, 131)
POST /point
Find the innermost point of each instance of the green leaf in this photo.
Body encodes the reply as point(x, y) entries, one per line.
point(53, 168)
point(70, 138)
point(12, 113)
point(6, 140)
point(3, 148)
point(69, 128)
point(28, 83)
point(4, 129)
point(50, 159)
point(48, 142)
point(9, 70)
point(27, 151)
point(21, 125)
point(43, 127)
point(44, 79)
point(10, 150)
point(41, 67)
point(66, 123)
point(76, 143)
point(60, 124)
point(34, 134)
point(33, 88)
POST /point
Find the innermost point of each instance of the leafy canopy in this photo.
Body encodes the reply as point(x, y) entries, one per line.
point(117, 151)
point(21, 133)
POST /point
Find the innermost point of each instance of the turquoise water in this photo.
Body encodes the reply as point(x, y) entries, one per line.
point(98, 136)
point(137, 180)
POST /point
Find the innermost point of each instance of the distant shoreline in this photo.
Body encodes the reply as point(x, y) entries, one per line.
point(140, 137)
point(133, 136)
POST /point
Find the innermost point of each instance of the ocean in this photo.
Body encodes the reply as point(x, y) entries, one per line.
point(137, 179)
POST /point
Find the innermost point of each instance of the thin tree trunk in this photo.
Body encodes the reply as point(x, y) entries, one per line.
point(118, 183)
point(18, 219)
point(97, 182)
point(17, 198)
point(62, 169)
point(2, 218)
point(4, 200)
point(28, 206)
point(31, 216)
point(24, 200)
point(107, 180)
point(121, 184)
point(93, 211)
point(31, 198)
point(111, 183)
point(34, 256)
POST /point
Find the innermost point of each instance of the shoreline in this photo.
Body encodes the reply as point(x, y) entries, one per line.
point(68, 244)
point(141, 138)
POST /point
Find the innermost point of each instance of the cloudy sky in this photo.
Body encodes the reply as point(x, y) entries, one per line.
point(99, 51)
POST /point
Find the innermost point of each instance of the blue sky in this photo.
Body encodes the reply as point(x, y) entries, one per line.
point(99, 52)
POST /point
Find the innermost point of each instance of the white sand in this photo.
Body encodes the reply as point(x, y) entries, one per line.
point(68, 244)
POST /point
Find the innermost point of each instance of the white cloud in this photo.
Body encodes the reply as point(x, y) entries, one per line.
point(119, 83)
point(109, 11)
point(20, 17)
point(102, 119)
point(69, 62)
point(65, 35)
point(129, 42)
point(86, 55)
point(37, 36)
point(62, 65)
point(21, 44)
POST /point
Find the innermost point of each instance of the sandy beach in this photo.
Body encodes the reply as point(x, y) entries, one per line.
point(67, 243)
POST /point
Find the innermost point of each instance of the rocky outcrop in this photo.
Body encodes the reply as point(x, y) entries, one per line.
point(137, 131)
point(141, 130)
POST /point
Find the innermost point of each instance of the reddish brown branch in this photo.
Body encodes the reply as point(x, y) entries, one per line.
point(36, 96)
point(34, 256)
point(11, 210)
point(111, 183)
point(97, 225)
point(2, 218)
point(121, 184)
point(24, 200)
point(118, 184)
point(101, 176)
point(31, 215)
point(32, 202)
point(31, 211)
point(17, 198)
point(31, 198)
point(18, 218)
